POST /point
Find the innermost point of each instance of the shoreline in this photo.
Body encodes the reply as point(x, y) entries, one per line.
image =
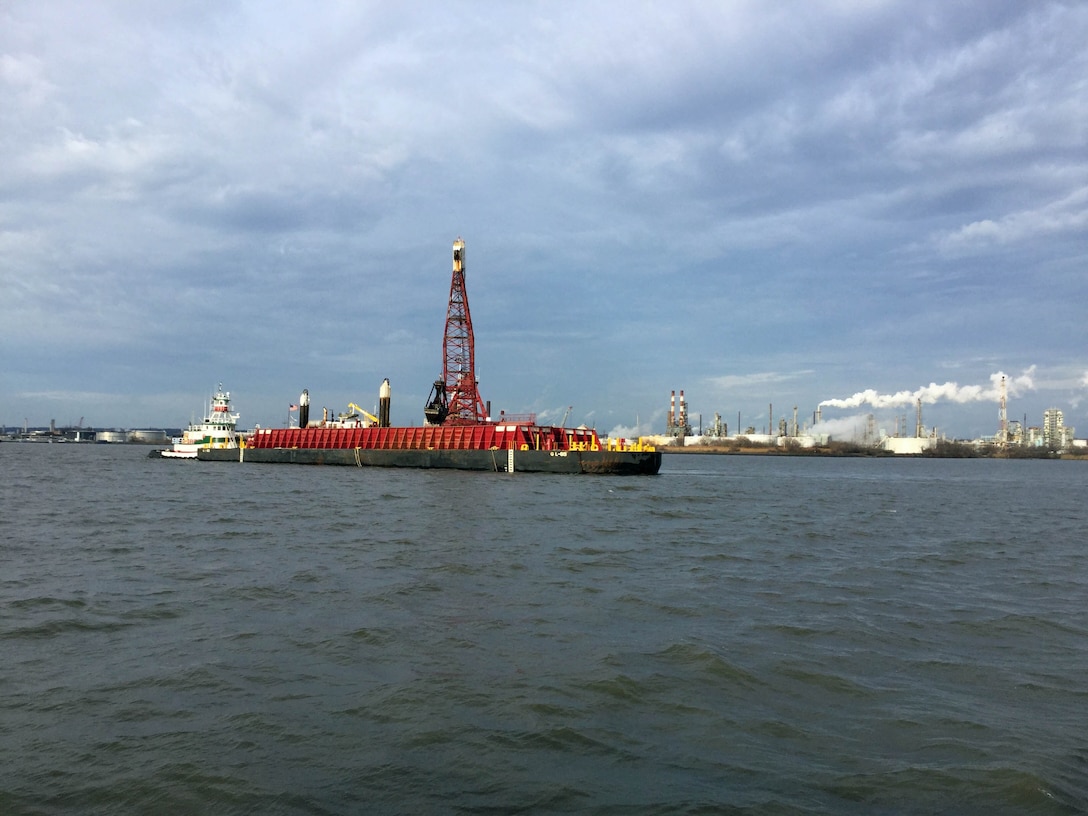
point(950, 451)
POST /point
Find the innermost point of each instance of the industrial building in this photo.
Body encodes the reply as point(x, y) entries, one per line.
point(1053, 434)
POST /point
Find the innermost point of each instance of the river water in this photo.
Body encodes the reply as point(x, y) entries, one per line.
point(748, 635)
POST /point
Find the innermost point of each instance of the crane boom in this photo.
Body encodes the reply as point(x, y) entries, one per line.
point(373, 419)
point(455, 399)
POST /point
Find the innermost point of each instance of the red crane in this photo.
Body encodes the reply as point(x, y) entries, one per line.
point(455, 399)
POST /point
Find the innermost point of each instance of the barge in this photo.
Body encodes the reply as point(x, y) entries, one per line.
point(508, 448)
point(458, 431)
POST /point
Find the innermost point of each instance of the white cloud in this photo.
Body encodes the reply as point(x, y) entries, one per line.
point(23, 74)
point(762, 378)
point(1068, 215)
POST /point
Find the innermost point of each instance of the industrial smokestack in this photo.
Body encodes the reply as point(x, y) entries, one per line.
point(672, 409)
point(1002, 416)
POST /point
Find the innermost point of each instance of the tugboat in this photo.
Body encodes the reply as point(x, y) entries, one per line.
point(217, 432)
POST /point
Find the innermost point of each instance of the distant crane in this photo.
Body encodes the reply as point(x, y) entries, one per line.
point(372, 419)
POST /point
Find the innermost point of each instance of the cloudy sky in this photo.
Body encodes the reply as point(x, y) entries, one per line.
point(790, 204)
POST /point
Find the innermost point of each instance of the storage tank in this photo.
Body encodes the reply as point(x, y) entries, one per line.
point(111, 436)
point(148, 437)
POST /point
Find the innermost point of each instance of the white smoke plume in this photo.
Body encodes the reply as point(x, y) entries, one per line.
point(950, 391)
point(843, 429)
point(631, 431)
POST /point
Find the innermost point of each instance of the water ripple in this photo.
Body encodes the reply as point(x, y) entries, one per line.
point(738, 635)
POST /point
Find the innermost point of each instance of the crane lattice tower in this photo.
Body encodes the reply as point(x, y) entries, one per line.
point(465, 406)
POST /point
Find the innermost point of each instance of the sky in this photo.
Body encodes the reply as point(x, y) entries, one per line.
point(848, 203)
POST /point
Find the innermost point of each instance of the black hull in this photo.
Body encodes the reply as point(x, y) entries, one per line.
point(503, 461)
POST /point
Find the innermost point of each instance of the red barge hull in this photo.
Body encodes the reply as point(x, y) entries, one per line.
point(488, 447)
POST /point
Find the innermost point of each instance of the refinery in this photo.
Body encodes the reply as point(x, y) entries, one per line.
point(790, 434)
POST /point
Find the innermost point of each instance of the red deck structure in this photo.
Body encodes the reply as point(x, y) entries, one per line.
point(430, 437)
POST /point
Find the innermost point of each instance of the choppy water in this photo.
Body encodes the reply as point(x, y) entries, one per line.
point(737, 635)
